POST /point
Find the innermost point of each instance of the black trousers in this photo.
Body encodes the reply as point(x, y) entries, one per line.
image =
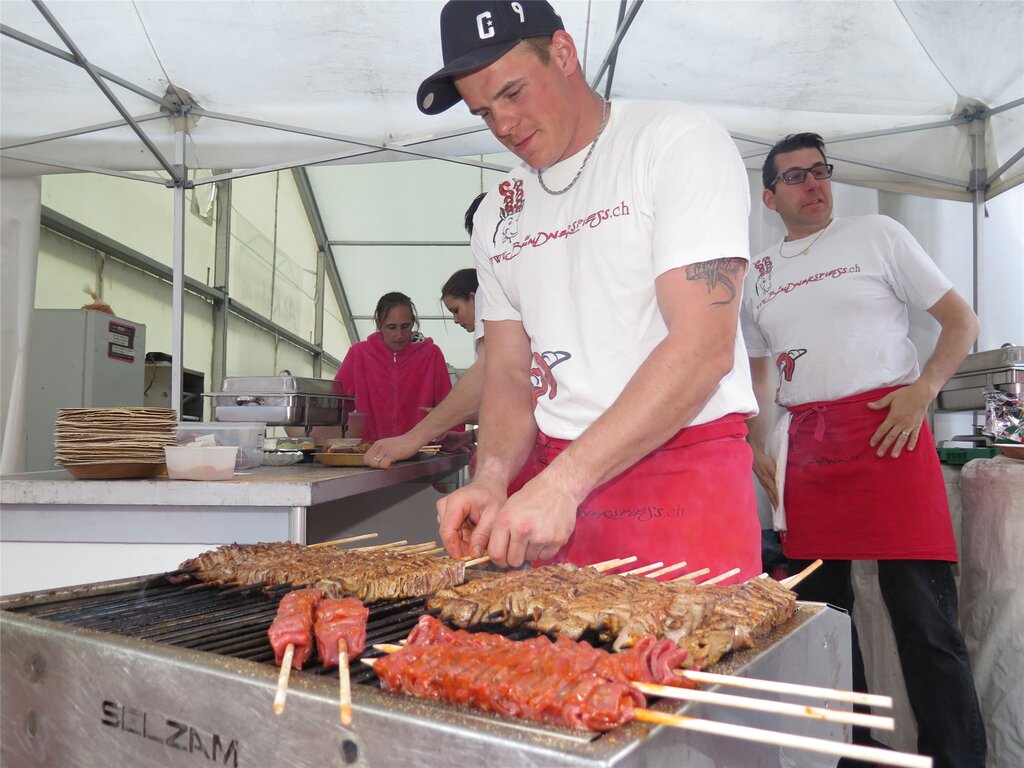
point(921, 598)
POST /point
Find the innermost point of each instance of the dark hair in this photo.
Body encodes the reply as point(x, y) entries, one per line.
point(391, 300)
point(791, 143)
point(461, 284)
point(471, 212)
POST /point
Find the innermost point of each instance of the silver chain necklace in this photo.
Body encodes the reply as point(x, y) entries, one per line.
point(806, 250)
point(571, 184)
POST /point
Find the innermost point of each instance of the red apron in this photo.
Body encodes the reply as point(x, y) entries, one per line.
point(844, 503)
point(692, 499)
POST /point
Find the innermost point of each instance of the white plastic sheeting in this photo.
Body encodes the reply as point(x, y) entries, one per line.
point(351, 68)
point(992, 599)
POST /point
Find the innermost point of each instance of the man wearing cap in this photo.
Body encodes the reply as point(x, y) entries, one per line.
point(610, 263)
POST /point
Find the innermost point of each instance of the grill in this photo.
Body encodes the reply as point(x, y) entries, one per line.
point(142, 672)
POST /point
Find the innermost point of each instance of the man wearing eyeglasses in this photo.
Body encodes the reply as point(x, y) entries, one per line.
point(854, 475)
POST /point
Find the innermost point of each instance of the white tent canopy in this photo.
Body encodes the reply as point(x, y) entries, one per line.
point(899, 89)
point(924, 97)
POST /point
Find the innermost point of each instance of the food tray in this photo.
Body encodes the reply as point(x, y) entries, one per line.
point(340, 459)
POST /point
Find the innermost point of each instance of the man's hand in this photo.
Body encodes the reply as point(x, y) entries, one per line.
point(907, 409)
point(384, 453)
point(533, 524)
point(764, 469)
point(457, 442)
point(464, 518)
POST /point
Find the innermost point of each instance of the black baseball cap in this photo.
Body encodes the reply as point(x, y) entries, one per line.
point(475, 33)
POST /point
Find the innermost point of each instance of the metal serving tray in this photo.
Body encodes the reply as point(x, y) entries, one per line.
point(283, 384)
point(280, 401)
point(1001, 369)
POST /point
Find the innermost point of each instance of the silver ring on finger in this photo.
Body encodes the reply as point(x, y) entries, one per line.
point(906, 432)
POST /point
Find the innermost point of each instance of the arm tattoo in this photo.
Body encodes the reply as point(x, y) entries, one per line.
point(724, 273)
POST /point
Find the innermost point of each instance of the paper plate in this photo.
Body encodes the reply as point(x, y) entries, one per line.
point(114, 470)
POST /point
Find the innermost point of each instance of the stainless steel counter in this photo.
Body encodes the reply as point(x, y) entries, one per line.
point(56, 530)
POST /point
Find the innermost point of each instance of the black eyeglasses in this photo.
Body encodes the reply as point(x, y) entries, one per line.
point(820, 171)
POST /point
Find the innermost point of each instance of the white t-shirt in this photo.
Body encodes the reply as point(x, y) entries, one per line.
point(835, 319)
point(665, 187)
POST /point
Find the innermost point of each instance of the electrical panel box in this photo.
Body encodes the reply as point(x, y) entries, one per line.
point(78, 358)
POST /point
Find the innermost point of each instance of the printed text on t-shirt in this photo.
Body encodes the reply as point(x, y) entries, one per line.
point(816, 277)
point(591, 221)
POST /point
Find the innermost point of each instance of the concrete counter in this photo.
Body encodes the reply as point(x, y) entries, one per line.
point(58, 531)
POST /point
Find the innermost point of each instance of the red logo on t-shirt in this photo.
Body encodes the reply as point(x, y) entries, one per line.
point(786, 364)
point(544, 382)
point(513, 198)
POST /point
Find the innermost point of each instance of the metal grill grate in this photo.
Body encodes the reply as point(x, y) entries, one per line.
point(229, 622)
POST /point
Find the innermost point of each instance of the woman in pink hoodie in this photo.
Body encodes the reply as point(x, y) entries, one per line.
point(392, 376)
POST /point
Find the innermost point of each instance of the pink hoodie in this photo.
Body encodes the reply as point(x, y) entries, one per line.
point(390, 387)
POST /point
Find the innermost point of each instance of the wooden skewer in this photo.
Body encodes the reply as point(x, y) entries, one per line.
point(478, 560)
point(760, 735)
point(344, 685)
point(721, 577)
point(795, 579)
point(795, 689)
point(667, 569)
point(608, 565)
point(692, 575)
point(434, 551)
point(349, 540)
point(282, 680)
point(642, 569)
point(387, 647)
point(765, 705)
point(412, 549)
point(390, 545)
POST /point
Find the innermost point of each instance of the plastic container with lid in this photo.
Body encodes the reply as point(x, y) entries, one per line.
point(247, 435)
point(200, 462)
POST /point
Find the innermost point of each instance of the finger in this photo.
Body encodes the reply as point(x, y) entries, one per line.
point(883, 429)
point(451, 517)
point(518, 548)
point(899, 441)
point(497, 546)
point(480, 541)
point(546, 553)
point(878, 405)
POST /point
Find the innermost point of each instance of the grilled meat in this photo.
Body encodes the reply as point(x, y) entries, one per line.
point(567, 601)
point(371, 576)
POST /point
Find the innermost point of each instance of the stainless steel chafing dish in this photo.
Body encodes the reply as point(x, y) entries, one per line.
point(281, 401)
point(1001, 369)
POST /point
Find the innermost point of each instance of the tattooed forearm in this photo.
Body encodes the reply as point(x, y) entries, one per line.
point(724, 274)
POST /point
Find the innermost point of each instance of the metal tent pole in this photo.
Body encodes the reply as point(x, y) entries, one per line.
point(178, 263)
point(979, 184)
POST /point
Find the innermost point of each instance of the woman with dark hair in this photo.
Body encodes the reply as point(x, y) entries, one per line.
point(458, 295)
point(392, 375)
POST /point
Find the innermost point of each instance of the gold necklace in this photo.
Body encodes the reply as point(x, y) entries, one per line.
point(806, 250)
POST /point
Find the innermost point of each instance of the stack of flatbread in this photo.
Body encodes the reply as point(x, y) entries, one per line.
point(131, 439)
